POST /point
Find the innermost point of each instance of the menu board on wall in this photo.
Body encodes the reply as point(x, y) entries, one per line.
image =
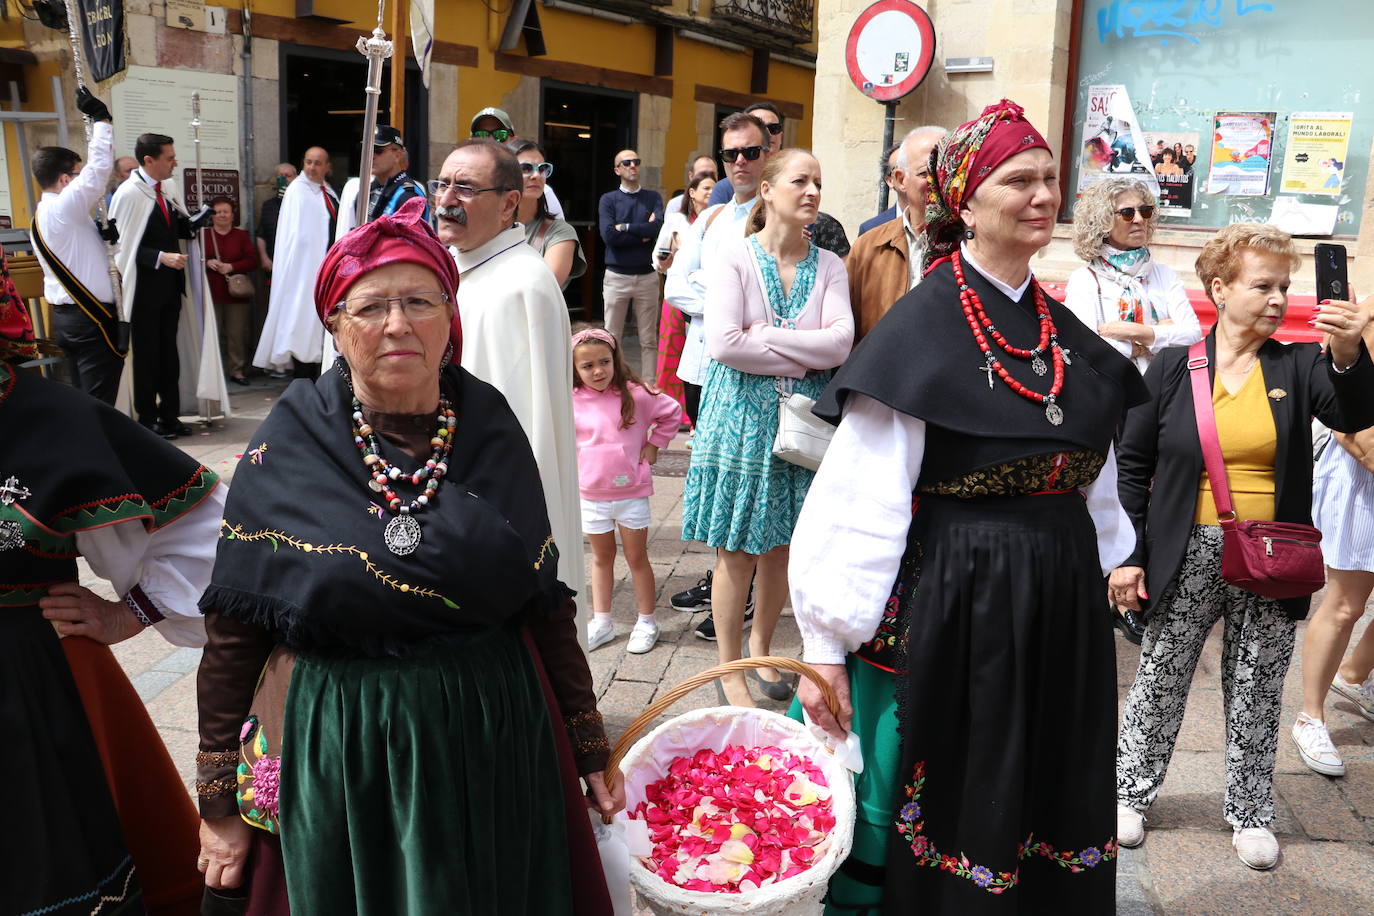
point(158, 100)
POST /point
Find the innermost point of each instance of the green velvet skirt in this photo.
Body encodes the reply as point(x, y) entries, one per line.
point(423, 785)
point(857, 888)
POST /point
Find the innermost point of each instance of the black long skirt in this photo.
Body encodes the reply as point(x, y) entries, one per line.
point(1008, 714)
point(64, 853)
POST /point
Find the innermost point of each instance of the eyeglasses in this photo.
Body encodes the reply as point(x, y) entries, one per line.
point(628, 162)
point(748, 152)
point(1128, 213)
point(775, 128)
point(465, 192)
point(500, 135)
point(543, 169)
point(416, 307)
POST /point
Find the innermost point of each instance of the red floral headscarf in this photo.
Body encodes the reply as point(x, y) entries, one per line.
point(402, 237)
point(961, 161)
point(16, 327)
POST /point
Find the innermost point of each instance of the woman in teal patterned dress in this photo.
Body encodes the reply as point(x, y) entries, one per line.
point(778, 321)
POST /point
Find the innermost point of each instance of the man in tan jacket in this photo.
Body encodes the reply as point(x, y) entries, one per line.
point(885, 262)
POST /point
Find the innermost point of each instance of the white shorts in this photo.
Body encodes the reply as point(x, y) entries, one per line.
point(600, 516)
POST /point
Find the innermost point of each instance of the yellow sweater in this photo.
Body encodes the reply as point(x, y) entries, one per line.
point(1245, 427)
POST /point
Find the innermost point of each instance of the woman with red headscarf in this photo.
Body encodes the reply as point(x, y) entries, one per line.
point(947, 566)
point(394, 698)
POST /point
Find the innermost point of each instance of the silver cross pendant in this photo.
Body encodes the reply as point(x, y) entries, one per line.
point(11, 491)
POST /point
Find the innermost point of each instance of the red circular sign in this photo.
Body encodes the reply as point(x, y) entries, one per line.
point(890, 50)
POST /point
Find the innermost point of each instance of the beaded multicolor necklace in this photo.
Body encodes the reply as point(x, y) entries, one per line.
point(402, 534)
point(978, 320)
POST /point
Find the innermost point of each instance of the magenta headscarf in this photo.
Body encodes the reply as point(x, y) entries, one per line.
point(403, 237)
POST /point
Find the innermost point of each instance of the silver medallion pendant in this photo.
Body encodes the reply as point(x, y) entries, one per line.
point(1054, 413)
point(1038, 365)
point(11, 536)
point(402, 535)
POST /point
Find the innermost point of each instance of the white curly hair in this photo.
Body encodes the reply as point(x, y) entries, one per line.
point(1095, 212)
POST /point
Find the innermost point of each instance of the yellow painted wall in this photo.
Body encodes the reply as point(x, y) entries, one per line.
point(38, 86)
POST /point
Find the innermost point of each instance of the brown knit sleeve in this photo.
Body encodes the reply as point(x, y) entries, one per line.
point(561, 648)
point(229, 669)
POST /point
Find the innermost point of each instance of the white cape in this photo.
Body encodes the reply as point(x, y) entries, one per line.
point(515, 337)
point(202, 387)
point(293, 329)
point(348, 209)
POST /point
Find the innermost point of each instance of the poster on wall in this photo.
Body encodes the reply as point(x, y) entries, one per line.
point(103, 35)
point(158, 100)
point(1242, 145)
point(1174, 157)
point(1113, 143)
point(1314, 161)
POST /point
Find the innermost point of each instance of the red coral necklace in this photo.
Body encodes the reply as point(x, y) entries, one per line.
point(978, 320)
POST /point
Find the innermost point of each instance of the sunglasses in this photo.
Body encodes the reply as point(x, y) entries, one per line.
point(748, 152)
point(543, 169)
point(774, 129)
point(1128, 213)
point(500, 135)
point(628, 162)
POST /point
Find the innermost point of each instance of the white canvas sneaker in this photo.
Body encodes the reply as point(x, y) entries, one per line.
point(1130, 827)
point(1362, 695)
point(598, 634)
point(642, 638)
point(1315, 746)
point(1256, 847)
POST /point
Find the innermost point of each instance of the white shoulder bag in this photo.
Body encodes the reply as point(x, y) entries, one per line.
point(802, 436)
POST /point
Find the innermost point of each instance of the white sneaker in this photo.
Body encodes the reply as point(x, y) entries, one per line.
point(1130, 827)
point(1362, 695)
point(1315, 747)
point(599, 634)
point(642, 637)
point(690, 436)
point(1256, 847)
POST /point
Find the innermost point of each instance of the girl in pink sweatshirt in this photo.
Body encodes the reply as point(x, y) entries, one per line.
point(621, 424)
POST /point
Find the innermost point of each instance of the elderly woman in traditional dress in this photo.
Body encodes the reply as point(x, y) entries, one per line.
point(1264, 395)
point(969, 639)
point(394, 703)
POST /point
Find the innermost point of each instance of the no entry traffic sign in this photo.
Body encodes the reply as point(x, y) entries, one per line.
point(890, 49)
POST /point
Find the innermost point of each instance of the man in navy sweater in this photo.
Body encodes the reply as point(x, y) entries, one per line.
point(630, 218)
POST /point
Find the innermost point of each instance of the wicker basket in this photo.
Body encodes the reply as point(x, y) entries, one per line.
point(650, 755)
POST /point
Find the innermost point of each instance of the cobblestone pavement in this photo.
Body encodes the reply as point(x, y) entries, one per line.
point(1187, 865)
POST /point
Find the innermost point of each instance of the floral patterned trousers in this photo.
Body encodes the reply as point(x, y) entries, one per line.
point(1256, 649)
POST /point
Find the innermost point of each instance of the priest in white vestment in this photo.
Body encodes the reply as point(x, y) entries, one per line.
point(292, 337)
point(516, 331)
point(201, 389)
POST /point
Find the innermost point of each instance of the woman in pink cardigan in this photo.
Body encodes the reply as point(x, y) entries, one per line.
point(777, 322)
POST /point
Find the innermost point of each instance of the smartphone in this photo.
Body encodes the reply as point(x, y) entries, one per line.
point(1332, 281)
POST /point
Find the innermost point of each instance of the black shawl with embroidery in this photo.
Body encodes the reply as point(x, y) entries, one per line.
point(301, 549)
point(922, 360)
point(77, 464)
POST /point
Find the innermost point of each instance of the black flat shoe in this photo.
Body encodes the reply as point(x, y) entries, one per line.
point(159, 428)
point(180, 428)
point(774, 690)
point(239, 380)
point(1130, 624)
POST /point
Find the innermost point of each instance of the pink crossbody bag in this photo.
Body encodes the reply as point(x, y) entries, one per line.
point(1273, 559)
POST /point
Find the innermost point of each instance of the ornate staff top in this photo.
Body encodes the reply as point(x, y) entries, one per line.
point(376, 49)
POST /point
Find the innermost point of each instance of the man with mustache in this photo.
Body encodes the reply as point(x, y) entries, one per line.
point(515, 325)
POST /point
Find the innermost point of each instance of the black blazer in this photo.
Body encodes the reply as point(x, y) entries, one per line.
point(1160, 458)
point(156, 283)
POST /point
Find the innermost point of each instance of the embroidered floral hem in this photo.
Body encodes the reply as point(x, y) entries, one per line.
point(912, 828)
